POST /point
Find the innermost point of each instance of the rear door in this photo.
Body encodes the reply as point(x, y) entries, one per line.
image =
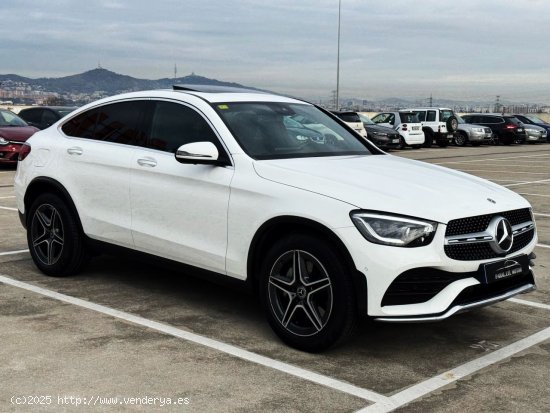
point(179, 211)
point(98, 153)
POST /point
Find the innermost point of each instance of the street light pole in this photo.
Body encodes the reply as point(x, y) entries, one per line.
point(338, 59)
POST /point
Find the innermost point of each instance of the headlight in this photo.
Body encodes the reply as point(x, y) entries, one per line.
point(3, 141)
point(394, 230)
point(480, 130)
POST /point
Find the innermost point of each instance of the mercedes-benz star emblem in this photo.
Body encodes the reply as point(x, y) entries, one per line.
point(503, 236)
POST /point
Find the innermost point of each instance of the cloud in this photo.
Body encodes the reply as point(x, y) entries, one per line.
point(397, 48)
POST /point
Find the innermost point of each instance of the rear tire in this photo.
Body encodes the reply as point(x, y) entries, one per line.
point(307, 293)
point(55, 240)
point(443, 143)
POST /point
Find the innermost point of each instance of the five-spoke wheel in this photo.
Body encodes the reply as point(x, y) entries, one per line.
point(307, 292)
point(55, 238)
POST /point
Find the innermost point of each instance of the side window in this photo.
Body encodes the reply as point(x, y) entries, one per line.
point(81, 126)
point(174, 125)
point(49, 118)
point(431, 116)
point(379, 118)
point(121, 123)
point(488, 119)
point(421, 115)
point(116, 122)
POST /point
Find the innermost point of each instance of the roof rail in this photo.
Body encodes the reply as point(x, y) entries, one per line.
point(216, 89)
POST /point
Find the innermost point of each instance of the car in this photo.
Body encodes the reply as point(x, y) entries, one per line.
point(535, 133)
point(535, 120)
point(324, 233)
point(438, 124)
point(381, 136)
point(506, 129)
point(43, 117)
point(353, 120)
point(406, 123)
point(473, 134)
point(14, 131)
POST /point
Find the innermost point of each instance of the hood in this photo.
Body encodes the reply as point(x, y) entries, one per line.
point(392, 184)
point(381, 129)
point(17, 133)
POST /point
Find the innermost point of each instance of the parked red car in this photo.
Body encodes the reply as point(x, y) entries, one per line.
point(14, 131)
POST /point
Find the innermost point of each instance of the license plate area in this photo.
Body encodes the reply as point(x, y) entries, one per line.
point(504, 269)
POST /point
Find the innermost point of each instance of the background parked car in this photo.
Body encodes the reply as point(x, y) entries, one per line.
point(535, 134)
point(506, 128)
point(473, 134)
point(381, 136)
point(301, 132)
point(353, 120)
point(535, 120)
point(406, 123)
point(438, 125)
point(14, 131)
point(43, 117)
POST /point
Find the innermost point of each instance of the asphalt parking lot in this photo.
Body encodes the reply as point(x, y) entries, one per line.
point(127, 329)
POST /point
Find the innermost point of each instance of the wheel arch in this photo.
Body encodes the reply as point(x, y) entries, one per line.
point(277, 227)
point(41, 185)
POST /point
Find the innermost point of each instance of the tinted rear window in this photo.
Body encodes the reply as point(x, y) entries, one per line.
point(117, 122)
point(409, 118)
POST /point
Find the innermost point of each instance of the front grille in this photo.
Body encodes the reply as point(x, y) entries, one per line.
point(476, 251)
point(483, 251)
point(481, 222)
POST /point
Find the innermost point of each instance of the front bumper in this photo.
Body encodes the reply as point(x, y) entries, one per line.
point(382, 265)
point(480, 136)
point(385, 142)
point(460, 308)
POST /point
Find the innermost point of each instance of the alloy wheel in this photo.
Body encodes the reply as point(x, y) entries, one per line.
point(300, 293)
point(47, 234)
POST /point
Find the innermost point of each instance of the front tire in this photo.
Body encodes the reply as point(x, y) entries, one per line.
point(55, 240)
point(461, 139)
point(307, 293)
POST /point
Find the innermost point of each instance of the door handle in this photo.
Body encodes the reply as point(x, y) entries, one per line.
point(75, 150)
point(150, 162)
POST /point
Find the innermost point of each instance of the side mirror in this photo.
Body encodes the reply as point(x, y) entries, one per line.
point(198, 153)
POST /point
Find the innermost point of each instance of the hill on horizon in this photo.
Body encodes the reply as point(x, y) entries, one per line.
point(105, 80)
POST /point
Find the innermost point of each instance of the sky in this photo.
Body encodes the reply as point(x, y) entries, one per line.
point(462, 50)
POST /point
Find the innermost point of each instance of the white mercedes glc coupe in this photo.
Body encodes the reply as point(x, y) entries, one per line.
point(324, 230)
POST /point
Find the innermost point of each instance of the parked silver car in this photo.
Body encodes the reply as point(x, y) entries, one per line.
point(473, 134)
point(535, 133)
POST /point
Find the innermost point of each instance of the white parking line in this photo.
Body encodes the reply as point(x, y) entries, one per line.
point(492, 159)
point(13, 252)
point(502, 172)
point(529, 303)
point(8, 209)
point(7, 197)
point(541, 215)
point(543, 246)
point(530, 182)
point(207, 342)
point(515, 164)
point(435, 383)
point(525, 193)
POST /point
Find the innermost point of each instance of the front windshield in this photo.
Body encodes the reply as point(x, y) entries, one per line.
point(267, 130)
point(8, 118)
point(366, 119)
